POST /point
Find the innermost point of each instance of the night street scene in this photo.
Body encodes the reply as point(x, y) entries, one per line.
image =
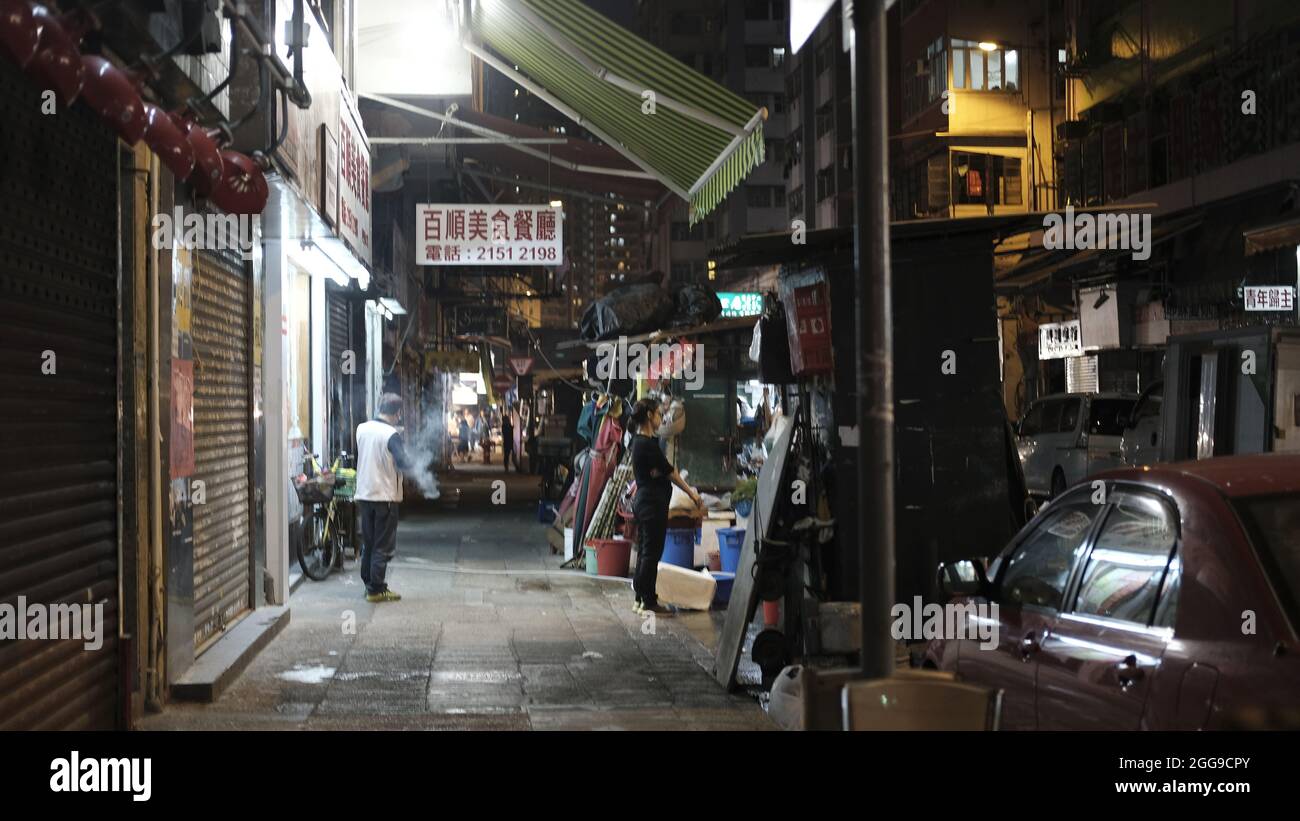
point(650, 365)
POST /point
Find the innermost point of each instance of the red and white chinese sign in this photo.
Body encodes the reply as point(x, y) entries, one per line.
point(354, 181)
point(1269, 298)
point(487, 234)
point(808, 318)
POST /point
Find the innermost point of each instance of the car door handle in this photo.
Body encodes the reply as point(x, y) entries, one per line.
point(1028, 647)
point(1128, 672)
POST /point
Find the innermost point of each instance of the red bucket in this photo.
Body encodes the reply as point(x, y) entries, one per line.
point(612, 556)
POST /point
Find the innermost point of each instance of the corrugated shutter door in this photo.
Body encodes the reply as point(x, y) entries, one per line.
point(221, 445)
point(338, 329)
point(58, 431)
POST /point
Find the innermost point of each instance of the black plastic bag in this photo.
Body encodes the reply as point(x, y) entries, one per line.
point(632, 310)
point(696, 305)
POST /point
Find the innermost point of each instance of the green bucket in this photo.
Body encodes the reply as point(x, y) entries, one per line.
point(591, 560)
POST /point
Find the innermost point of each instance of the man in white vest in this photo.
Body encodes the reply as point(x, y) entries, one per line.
point(380, 458)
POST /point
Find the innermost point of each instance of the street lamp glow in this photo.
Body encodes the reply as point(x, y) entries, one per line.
point(987, 46)
point(557, 203)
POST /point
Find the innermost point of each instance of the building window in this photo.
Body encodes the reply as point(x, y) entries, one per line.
point(984, 68)
point(795, 201)
point(986, 179)
point(825, 119)
point(764, 10)
point(825, 55)
point(926, 80)
point(765, 196)
point(764, 56)
point(825, 182)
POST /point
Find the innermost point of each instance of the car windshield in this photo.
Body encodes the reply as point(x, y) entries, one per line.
point(1107, 416)
point(1273, 523)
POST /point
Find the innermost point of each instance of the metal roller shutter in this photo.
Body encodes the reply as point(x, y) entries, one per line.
point(58, 431)
point(340, 434)
point(222, 334)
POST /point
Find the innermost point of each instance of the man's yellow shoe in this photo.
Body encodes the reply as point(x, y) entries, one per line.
point(387, 595)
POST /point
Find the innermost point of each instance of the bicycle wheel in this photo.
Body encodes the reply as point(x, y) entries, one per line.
point(316, 554)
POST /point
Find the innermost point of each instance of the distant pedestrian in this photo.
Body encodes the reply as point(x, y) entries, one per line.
point(508, 442)
point(463, 433)
point(483, 434)
point(380, 458)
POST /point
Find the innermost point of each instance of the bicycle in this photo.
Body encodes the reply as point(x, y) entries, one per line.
point(320, 551)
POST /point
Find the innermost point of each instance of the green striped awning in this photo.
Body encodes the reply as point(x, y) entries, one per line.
point(701, 139)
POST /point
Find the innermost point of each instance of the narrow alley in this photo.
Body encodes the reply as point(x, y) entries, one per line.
point(490, 634)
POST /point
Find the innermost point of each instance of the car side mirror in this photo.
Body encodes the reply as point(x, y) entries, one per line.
point(963, 578)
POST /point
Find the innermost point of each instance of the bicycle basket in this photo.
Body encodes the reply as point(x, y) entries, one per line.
point(317, 490)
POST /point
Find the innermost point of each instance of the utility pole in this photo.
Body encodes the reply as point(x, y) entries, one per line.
point(875, 381)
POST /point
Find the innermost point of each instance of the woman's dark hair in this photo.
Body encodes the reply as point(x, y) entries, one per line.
point(641, 412)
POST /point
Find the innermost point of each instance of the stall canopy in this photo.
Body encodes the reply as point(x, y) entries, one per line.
point(701, 139)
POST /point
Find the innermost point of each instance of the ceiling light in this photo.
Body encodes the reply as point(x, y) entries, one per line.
point(987, 46)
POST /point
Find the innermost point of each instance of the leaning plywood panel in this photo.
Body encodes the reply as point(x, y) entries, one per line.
point(744, 596)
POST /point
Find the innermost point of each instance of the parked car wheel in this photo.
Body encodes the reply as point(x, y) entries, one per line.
point(1058, 483)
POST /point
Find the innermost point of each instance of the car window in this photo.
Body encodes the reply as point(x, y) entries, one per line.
point(1128, 559)
point(1273, 523)
point(1039, 567)
point(1051, 415)
point(1167, 604)
point(1033, 422)
point(1069, 415)
point(1106, 417)
point(1150, 404)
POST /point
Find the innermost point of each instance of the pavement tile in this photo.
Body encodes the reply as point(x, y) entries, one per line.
point(483, 639)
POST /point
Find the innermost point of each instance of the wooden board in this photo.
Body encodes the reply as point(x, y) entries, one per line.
point(744, 596)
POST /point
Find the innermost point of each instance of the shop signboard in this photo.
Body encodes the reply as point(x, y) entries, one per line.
point(488, 234)
point(354, 180)
point(451, 361)
point(1060, 340)
point(809, 317)
point(1269, 297)
point(747, 303)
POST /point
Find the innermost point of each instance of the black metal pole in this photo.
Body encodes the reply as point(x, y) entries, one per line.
point(875, 381)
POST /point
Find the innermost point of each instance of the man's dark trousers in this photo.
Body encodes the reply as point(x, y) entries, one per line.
point(379, 534)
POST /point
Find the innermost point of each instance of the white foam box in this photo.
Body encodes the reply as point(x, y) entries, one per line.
point(684, 588)
point(568, 543)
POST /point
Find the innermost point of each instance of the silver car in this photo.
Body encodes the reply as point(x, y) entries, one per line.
point(1141, 445)
point(1065, 438)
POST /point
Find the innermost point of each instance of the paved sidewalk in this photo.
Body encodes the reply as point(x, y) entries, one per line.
point(490, 634)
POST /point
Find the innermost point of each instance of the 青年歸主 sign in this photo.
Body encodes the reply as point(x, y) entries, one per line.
point(488, 234)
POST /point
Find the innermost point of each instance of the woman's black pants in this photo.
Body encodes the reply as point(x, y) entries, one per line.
point(651, 530)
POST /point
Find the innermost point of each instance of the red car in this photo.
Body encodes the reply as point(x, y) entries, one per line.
point(1164, 597)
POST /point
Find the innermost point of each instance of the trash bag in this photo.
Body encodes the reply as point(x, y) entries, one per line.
point(631, 310)
point(696, 305)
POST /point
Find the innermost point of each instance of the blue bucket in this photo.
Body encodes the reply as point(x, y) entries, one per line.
point(744, 508)
point(730, 541)
point(725, 581)
point(679, 547)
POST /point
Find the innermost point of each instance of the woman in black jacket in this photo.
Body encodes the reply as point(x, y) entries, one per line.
point(654, 479)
